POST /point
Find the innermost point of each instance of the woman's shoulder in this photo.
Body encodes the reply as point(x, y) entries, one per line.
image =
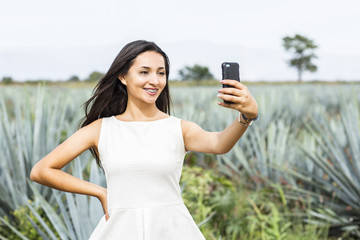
point(189, 127)
point(94, 126)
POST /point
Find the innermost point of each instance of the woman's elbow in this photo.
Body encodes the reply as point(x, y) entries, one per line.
point(224, 151)
point(35, 174)
point(220, 151)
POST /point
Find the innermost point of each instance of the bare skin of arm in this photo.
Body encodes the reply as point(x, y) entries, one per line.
point(197, 139)
point(48, 170)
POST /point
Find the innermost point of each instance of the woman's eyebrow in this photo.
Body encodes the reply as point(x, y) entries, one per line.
point(146, 67)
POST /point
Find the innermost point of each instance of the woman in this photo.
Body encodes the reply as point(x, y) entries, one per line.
point(128, 129)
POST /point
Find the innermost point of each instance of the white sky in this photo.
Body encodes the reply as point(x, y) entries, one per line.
point(41, 29)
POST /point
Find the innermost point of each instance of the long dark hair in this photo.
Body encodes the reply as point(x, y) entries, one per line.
point(109, 96)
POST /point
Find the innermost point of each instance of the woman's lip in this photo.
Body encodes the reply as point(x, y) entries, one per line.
point(151, 93)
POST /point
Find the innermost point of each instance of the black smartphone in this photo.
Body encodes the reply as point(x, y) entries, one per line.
point(230, 70)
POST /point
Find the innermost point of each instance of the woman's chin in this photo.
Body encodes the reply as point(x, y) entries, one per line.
point(150, 101)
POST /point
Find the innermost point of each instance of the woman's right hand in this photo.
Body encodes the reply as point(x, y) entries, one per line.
point(103, 201)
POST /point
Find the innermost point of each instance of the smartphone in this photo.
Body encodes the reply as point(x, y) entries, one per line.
point(230, 70)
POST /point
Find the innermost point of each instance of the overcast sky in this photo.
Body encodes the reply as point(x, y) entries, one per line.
point(57, 39)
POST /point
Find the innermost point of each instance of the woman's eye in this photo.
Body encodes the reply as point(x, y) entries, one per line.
point(162, 73)
point(143, 72)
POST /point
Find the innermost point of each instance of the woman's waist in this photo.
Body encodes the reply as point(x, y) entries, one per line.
point(142, 206)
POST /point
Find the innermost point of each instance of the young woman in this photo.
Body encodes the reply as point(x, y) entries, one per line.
point(141, 148)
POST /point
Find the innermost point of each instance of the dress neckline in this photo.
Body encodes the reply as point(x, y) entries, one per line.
point(153, 121)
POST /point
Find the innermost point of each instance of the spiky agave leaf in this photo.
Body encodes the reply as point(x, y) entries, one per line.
point(337, 181)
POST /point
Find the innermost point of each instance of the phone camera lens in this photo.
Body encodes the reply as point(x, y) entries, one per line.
point(227, 65)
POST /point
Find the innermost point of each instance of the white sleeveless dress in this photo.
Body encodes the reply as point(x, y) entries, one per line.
point(143, 162)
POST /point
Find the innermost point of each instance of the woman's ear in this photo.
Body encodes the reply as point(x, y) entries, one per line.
point(122, 79)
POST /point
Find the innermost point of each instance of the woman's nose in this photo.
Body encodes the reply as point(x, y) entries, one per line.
point(154, 79)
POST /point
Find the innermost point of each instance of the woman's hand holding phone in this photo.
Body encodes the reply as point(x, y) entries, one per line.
point(239, 94)
point(235, 94)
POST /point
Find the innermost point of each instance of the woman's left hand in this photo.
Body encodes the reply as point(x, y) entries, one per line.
point(242, 99)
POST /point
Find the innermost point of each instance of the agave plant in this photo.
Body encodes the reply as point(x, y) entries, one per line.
point(333, 177)
point(32, 123)
point(72, 216)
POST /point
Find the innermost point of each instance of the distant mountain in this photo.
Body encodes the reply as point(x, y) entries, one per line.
point(255, 63)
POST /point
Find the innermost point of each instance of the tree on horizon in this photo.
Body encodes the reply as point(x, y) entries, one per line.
point(302, 48)
point(7, 80)
point(196, 72)
point(74, 78)
point(95, 76)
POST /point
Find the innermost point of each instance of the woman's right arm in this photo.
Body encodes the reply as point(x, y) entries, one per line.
point(48, 170)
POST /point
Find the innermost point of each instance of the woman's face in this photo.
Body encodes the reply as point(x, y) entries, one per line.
point(146, 78)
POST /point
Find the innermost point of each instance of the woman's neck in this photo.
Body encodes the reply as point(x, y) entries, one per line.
point(141, 112)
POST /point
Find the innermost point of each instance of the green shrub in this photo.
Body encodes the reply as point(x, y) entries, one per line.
point(21, 219)
point(200, 186)
point(228, 210)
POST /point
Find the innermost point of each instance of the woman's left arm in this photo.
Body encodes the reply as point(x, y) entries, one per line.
point(196, 139)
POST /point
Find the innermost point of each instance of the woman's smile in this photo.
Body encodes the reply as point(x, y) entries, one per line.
point(151, 91)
